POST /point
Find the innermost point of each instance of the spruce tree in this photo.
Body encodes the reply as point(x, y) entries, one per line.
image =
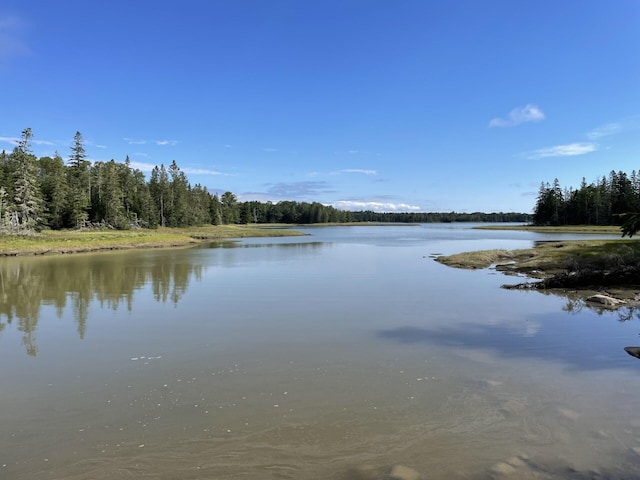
point(28, 202)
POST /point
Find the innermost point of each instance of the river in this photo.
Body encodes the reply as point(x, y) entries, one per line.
point(335, 355)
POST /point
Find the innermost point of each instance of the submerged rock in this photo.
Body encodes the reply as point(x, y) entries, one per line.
point(400, 472)
point(605, 300)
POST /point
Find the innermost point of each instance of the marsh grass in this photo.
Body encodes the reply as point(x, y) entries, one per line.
point(613, 258)
point(74, 241)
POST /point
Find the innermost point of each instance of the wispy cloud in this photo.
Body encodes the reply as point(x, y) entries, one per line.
point(569, 150)
point(375, 206)
point(133, 141)
point(12, 43)
point(203, 171)
point(299, 189)
point(269, 149)
point(10, 140)
point(356, 170)
point(528, 113)
point(614, 128)
point(140, 154)
point(148, 167)
point(44, 142)
point(15, 140)
point(604, 131)
point(171, 143)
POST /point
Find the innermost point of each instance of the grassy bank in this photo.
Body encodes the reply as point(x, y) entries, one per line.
point(71, 241)
point(581, 267)
point(552, 257)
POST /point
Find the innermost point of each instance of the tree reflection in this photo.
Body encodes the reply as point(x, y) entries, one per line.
point(28, 283)
point(624, 313)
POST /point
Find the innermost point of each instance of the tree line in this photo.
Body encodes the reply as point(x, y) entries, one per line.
point(439, 217)
point(607, 201)
point(49, 192)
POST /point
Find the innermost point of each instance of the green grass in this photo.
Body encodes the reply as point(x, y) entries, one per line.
point(554, 257)
point(71, 241)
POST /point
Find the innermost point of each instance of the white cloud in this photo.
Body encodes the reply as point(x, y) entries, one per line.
point(10, 140)
point(569, 150)
point(357, 170)
point(614, 128)
point(100, 146)
point(375, 206)
point(528, 113)
point(44, 142)
point(143, 167)
point(15, 140)
point(604, 131)
point(132, 141)
point(203, 171)
point(148, 167)
point(171, 143)
point(269, 149)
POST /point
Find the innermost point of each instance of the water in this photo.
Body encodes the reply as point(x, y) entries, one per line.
point(333, 355)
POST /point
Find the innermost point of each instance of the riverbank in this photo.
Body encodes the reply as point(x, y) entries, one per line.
point(582, 268)
point(82, 241)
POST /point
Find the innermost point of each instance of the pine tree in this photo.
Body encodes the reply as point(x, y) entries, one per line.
point(53, 184)
point(79, 182)
point(28, 202)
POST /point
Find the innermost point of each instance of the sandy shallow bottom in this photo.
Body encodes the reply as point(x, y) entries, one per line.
point(309, 418)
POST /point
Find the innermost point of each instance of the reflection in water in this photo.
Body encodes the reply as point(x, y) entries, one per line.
point(110, 279)
point(28, 283)
point(538, 343)
point(576, 305)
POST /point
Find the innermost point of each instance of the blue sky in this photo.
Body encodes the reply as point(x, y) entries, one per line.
point(383, 105)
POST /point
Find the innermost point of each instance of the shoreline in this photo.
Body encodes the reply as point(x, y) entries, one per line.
point(601, 274)
point(70, 242)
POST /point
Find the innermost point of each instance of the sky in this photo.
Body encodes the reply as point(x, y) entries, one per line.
point(395, 105)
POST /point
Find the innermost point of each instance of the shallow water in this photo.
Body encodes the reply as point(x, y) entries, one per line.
point(329, 356)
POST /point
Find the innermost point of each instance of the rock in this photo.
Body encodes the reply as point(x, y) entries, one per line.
point(400, 472)
point(503, 468)
point(605, 300)
point(633, 351)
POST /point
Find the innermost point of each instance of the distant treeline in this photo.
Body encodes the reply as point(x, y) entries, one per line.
point(603, 202)
point(48, 192)
point(403, 217)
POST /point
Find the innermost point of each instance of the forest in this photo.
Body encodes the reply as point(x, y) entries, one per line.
point(612, 200)
point(51, 193)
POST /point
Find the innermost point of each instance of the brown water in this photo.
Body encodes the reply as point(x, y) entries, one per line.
point(334, 356)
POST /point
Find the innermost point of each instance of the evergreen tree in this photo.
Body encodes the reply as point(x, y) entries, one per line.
point(79, 184)
point(53, 183)
point(178, 214)
point(215, 210)
point(230, 208)
point(28, 202)
point(160, 191)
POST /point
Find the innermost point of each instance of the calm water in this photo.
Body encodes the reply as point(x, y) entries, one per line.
point(310, 357)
